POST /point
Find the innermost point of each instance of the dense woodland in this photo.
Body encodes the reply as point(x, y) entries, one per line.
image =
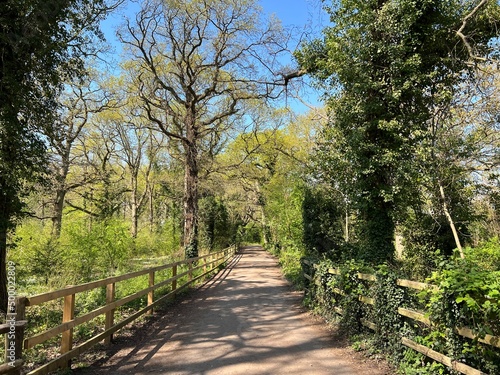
point(188, 144)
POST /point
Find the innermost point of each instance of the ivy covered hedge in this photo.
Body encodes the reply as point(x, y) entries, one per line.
point(466, 300)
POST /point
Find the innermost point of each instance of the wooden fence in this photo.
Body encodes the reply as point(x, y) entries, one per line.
point(418, 316)
point(14, 331)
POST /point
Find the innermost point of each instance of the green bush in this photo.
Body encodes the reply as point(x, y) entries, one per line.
point(388, 297)
point(98, 252)
point(352, 308)
point(485, 256)
point(468, 296)
point(289, 256)
point(163, 243)
point(39, 258)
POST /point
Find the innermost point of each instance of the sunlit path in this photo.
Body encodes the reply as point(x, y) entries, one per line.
point(244, 321)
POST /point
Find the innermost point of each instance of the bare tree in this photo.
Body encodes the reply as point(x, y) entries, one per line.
point(102, 195)
point(78, 104)
point(139, 151)
point(197, 63)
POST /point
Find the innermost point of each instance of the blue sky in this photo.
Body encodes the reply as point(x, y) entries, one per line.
point(299, 13)
point(303, 15)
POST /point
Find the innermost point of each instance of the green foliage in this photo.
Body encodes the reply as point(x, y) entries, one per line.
point(98, 252)
point(320, 297)
point(323, 220)
point(425, 241)
point(131, 286)
point(485, 256)
point(388, 297)
point(284, 197)
point(216, 229)
point(324, 295)
point(352, 287)
point(81, 254)
point(289, 256)
point(38, 256)
point(250, 233)
point(388, 66)
point(163, 242)
point(468, 296)
point(42, 44)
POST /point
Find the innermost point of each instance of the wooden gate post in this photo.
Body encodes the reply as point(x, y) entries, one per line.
point(151, 293)
point(174, 281)
point(67, 336)
point(109, 319)
point(14, 336)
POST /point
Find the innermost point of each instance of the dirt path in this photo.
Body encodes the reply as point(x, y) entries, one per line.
point(246, 320)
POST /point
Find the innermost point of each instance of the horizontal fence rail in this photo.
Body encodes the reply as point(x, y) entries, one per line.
point(415, 315)
point(181, 275)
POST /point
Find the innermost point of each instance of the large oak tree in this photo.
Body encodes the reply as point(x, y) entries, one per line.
point(199, 62)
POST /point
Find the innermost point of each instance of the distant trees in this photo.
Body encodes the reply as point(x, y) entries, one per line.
point(80, 101)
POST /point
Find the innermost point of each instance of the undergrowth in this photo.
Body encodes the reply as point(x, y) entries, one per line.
point(468, 295)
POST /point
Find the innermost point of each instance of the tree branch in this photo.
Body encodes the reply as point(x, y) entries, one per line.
point(464, 25)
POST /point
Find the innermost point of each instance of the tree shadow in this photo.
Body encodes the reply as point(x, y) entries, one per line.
point(246, 319)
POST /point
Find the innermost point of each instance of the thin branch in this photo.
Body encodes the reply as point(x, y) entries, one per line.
point(464, 24)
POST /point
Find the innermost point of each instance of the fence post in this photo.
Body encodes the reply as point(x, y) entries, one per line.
point(205, 265)
point(174, 281)
point(110, 315)
point(190, 273)
point(67, 336)
point(151, 293)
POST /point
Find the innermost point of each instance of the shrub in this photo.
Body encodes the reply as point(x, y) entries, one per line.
point(468, 295)
point(486, 256)
point(98, 252)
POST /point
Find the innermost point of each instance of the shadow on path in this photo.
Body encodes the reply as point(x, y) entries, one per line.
point(245, 320)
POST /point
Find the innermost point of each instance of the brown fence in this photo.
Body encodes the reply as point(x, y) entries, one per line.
point(418, 316)
point(14, 330)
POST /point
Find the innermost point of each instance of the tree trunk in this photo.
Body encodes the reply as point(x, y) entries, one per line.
point(346, 224)
point(134, 207)
point(377, 228)
point(58, 212)
point(61, 190)
point(451, 222)
point(191, 192)
point(5, 219)
point(135, 219)
point(151, 209)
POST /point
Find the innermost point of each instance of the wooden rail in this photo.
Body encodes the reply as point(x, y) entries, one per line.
point(13, 363)
point(415, 315)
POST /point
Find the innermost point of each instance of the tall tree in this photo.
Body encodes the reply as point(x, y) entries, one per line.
point(199, 61)
point(387, 65)
point(139, 152)
point(41, 45)
point(77, 104)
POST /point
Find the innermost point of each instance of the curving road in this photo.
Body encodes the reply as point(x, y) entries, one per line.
point(246, 320)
